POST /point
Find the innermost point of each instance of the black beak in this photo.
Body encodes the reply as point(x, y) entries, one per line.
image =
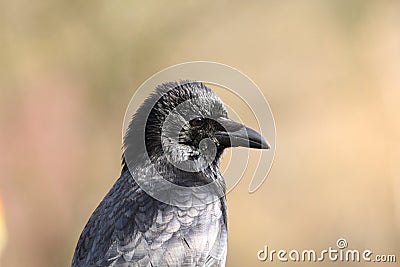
point(232, 134)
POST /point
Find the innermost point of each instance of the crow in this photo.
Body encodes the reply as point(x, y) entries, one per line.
point(179, 133)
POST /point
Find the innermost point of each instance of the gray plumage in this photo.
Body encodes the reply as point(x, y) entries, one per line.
point(130, 227)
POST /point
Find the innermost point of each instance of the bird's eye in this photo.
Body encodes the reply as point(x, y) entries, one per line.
point(197, 122)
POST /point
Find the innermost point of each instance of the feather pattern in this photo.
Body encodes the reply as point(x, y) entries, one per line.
point(130, 228)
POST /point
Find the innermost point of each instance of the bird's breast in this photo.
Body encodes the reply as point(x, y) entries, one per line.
point(183, 222)
point(178, 235)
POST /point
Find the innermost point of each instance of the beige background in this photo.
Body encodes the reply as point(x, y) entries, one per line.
point(330, 71)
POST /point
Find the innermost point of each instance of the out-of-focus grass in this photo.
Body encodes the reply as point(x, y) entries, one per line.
point(330, 70)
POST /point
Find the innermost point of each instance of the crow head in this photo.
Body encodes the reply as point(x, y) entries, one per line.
point(186, 124)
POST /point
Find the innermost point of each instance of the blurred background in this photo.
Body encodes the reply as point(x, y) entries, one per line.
point(329, 69)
